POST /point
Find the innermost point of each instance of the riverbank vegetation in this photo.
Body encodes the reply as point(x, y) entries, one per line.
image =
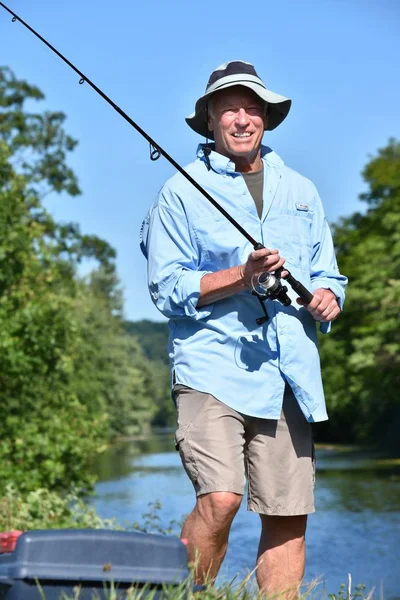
point(246, 590)
point(75, 375)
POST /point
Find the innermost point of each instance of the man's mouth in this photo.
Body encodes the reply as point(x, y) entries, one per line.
point(245, 134)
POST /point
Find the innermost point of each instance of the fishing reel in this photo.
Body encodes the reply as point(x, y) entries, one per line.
point(268, 286)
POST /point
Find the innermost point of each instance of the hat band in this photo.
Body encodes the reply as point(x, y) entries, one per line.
point(234, 79)
point(239, 82)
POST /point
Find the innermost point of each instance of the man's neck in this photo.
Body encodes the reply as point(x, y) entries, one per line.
point(244, 166)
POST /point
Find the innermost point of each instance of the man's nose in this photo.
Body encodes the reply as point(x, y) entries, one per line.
point(242, 118)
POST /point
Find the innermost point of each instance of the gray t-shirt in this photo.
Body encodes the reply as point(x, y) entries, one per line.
point(255, 183)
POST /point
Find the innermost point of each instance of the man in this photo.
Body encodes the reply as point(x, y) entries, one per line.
point(245, 393)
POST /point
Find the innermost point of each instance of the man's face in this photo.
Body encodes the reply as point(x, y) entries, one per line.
point(238, 120)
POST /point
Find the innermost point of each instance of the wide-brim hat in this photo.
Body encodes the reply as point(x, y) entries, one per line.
point(238, 72)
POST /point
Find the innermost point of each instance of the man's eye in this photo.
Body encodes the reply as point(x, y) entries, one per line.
point(254, 110)
point(250, 110)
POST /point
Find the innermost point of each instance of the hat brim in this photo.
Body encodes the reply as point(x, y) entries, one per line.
point(278, 107)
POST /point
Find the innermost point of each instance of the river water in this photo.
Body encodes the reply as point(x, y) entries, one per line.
point(355, 530)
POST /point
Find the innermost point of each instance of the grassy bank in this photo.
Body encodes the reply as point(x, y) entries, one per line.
point(43, 509)
point(245, 590)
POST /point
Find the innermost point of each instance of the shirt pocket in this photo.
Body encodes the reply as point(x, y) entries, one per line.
point(222, 245)
point(290, 231)
point(297, 252)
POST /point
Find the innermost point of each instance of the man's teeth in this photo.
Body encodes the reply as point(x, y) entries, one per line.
point(242, 134)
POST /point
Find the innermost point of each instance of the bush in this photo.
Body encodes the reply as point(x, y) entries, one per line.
point(44, 509)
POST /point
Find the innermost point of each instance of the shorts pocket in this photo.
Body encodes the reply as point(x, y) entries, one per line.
point(313, 462)
point(182, 444)
point(178, 438)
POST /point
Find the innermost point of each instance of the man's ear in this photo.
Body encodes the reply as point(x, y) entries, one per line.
point(209, 123)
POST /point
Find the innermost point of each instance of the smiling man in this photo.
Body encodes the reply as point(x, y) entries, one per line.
point(237, 118)
point(246, 394)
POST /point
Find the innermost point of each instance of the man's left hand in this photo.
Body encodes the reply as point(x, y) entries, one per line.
point(323, 307)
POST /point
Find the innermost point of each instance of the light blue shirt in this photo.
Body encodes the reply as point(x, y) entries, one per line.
point(219, 348)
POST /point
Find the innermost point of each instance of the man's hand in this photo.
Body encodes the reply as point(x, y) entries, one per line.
point(259, 262)
point(222, 284)
point(323, 307)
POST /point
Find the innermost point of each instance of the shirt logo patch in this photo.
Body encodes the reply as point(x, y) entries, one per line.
point(301, 206)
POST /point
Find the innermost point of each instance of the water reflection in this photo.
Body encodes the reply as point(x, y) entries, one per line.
point(360, 492)
point(119, 460)
point(355, 529)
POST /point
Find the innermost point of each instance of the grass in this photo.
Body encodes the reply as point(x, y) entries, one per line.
point(245, 590)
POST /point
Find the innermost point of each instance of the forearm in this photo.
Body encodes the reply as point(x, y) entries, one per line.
point(221, 284)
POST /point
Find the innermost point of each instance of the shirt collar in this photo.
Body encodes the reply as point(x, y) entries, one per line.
point(222, 164)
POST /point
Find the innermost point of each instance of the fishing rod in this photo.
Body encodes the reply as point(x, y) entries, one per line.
point(268, 282)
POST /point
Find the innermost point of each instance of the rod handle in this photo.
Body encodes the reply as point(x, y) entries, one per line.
point(299, 288)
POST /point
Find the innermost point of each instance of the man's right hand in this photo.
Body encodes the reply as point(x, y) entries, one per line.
point(260, 261)
point(221, 284)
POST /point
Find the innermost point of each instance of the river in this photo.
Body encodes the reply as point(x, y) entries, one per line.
point(356, 528)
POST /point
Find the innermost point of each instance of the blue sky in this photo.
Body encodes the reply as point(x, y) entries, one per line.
point(337, 59)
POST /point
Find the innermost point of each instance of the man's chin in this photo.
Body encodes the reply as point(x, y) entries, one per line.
point(241, 150)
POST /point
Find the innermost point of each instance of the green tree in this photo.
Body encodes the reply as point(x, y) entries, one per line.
point(361, 358)
point(71, 377)
point(46, 436)
point(37, 142)
point(38, 148)
point(111, 373)
point(153, 339)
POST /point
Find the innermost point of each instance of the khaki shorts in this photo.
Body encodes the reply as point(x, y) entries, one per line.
point(219, 447)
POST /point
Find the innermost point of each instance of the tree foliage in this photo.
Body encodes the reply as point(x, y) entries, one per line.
point(71, 378)
point(361, 357)
point(44, 429)
point(112, 374)
point(37, 141)
point(153, 339)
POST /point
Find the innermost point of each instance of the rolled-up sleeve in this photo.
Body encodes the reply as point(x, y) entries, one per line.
point(324, 269)
point(172, 260)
